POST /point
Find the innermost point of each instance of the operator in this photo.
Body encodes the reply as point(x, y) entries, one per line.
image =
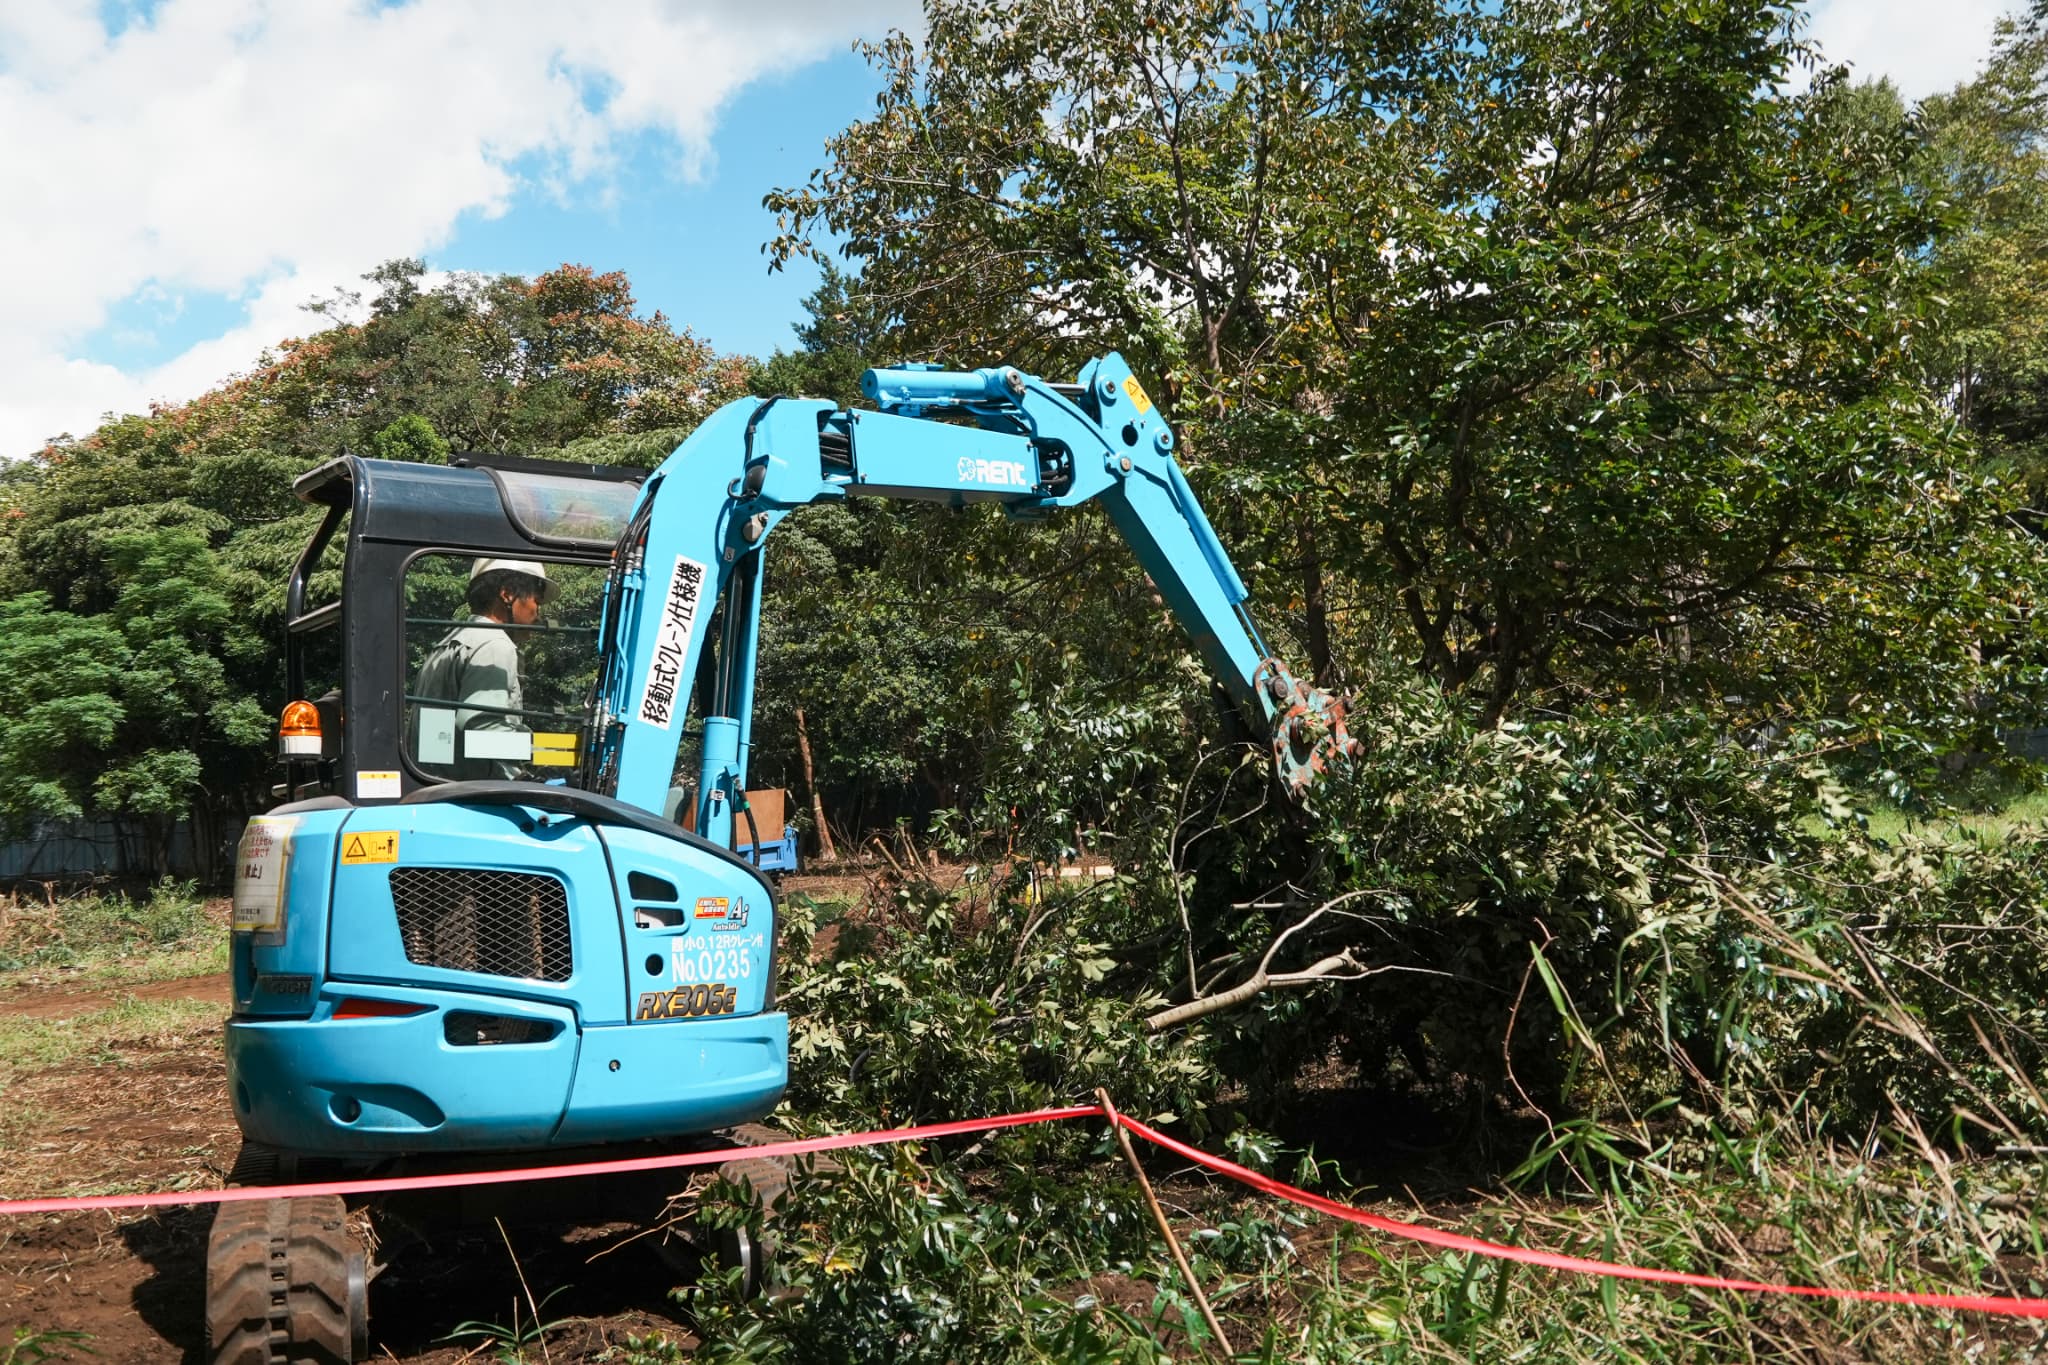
point(477, 664)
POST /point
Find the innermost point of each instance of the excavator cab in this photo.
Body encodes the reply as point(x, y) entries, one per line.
point(411, 537)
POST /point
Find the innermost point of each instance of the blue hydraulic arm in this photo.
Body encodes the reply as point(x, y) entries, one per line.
point(703, 517)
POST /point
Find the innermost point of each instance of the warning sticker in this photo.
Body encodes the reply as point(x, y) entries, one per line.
point(372, 846)
point(262, 862)
point(1138, 396)
point(378, 785)
point(664, 691)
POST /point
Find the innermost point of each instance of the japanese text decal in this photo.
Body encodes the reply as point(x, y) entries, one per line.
point(666, 688)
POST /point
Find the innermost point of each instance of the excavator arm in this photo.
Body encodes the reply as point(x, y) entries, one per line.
point(951, 437)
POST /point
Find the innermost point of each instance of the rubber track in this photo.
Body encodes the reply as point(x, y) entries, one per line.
point(768, 1176)
point(246, 1284)
point(278, 1275)
point(321, 1249)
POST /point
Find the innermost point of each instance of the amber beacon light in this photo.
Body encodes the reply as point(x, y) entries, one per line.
point(298, 735)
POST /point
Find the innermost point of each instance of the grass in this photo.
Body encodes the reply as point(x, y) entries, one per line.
point(1983, 807)
point(829, 908)
point(90, 1038)
point(110, 940)
point(32, 1347)
point(2023, 814)
point(113, 1101)
point(1785, 1208)
point(93, 943)
point(99, 972)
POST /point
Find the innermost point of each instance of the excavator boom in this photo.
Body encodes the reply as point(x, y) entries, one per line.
point(951, 437)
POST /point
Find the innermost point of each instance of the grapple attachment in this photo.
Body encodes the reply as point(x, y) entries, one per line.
point(1309, 732)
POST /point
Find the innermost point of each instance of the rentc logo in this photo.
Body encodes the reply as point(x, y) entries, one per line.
point(1002, 473)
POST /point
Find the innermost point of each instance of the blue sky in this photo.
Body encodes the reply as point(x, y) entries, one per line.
point(692, 247)
point(693, 250)
point(184, 175)
point(190, 173)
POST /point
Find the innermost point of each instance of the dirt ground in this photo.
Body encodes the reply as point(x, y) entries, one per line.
point(152, 1113)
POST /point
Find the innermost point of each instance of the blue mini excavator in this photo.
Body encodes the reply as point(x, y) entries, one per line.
point(476, 930)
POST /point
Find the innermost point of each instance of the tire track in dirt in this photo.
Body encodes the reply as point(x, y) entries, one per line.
point(62, 1001)
point(131, 1112)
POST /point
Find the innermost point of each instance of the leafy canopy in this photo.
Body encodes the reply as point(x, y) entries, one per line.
point(1555, 343)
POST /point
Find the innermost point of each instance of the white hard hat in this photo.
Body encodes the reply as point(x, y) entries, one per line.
point(532, 568)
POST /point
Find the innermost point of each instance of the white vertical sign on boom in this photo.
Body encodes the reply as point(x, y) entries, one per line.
point(665, 688)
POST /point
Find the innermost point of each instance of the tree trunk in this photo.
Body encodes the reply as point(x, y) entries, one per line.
point(826, 853)
point(1317, 607)
point(199, 819)
point(1507, 650)
point(156, 837)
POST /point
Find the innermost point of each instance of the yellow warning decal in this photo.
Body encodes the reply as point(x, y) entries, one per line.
point(1137, 393)
point(554, 751)
point(376, 846)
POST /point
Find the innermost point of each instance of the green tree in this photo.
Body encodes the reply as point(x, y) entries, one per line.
point(840, 338)
point(189, 715)
point(412, 437)
point(60, 709)
point(158, 546)
point(1554, 328)
point(501, 363)
point(1984, 154)
point(909, 636)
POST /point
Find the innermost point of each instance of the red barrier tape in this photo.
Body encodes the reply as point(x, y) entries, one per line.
point(794, 1147)
point(1550, 1260)
point(1452, 1241)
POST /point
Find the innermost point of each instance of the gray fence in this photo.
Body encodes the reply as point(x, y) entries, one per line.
point(2031, 743)
point(77, 850)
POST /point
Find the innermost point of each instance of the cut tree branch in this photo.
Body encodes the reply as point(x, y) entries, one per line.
point(1342, 966)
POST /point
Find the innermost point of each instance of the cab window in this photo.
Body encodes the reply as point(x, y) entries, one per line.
point(500, 658)
point(554, 508)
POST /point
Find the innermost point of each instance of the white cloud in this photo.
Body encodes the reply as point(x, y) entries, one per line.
point(1924, 46)
point(269, 149)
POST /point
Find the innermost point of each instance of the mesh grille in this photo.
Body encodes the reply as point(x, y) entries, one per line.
point(497, 923)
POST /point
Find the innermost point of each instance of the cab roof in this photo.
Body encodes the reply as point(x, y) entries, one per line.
point(478, 501)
